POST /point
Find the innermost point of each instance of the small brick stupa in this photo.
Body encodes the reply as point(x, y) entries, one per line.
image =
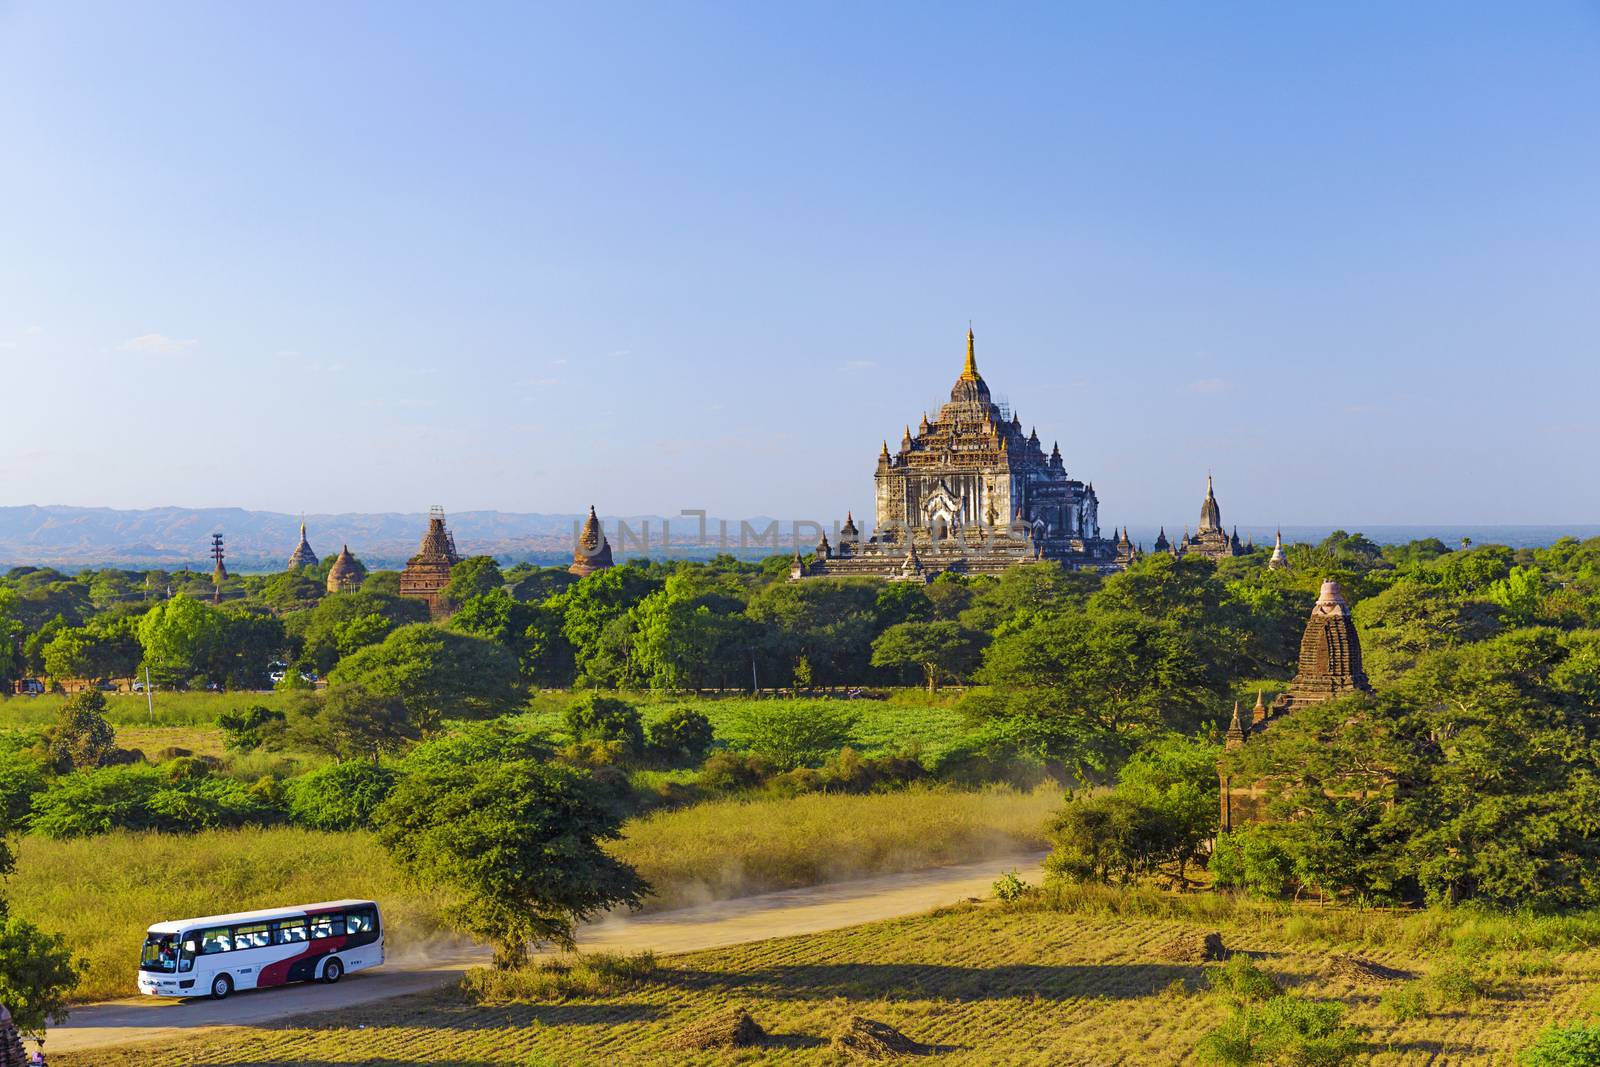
point(346, 574)
point(592, 552)
point(1329, 668)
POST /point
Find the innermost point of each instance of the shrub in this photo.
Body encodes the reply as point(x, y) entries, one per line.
point(1010, 889)
point(1241, 981)
point(248, 729)
point(789, 737)
point(21, 779)
point(340, 796)
point(97, 802)
point(681, 736)
point(557, 978)
point(1283, 1030)
point(1405, 1003)
point(601, 718)
point(732, 772)
point(1251, 860)
point(181, 799)
point(1457, 983)
point(1576, 1045)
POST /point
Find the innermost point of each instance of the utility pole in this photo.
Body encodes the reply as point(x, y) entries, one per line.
point(149, 697)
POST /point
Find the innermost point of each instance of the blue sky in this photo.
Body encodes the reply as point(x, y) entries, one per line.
point(333, 257)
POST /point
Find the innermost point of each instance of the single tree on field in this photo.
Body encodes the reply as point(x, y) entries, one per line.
point(941, 650)
point(81, 738)
point(518, 841)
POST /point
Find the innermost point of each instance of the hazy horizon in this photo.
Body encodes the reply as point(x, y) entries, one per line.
point(368, 258)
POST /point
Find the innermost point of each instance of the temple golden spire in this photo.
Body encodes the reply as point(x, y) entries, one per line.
point(969, 373)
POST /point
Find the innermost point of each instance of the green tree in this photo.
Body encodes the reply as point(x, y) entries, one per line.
point(180, 638)
point(1519, 594)
point(473, 576)
point(37, 974)
point(939, 650)
point(688, 637)
point(100, 650)
point(353, 721)
point(1082, 691)
point(81, 737)
point(436, 674)
point(517, 842)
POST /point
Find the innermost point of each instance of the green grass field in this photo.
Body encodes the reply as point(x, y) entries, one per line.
point(130, 709)
point(987, 985)
point(104, 892)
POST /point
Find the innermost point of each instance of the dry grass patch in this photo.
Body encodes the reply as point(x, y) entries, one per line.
point(732, 848)
point(990, 988)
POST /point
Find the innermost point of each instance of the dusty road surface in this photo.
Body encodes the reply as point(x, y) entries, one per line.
point(728, 922)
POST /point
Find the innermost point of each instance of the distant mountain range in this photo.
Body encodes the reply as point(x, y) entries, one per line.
point(262, 540)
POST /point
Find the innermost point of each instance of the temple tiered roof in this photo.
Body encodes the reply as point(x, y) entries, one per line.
point(428, 572)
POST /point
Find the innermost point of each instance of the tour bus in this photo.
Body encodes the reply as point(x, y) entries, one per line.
point(218, 954)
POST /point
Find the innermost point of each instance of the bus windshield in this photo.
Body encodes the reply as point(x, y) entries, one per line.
point(160, 953)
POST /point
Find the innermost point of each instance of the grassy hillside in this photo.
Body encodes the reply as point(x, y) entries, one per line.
point(104, 892)
point(989, 986)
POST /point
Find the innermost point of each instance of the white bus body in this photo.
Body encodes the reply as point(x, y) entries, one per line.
point(217, 954)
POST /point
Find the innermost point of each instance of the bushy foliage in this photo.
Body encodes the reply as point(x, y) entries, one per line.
point(601, 718)
point(37, 973)
point(81, 738)
point(1575, 1045)
point(1283, 1030)
point(1162, 810)
point(1250, 858)
point(247, 729)
point(340, 796)
point(682, 735)
point(1241, 980)
point(788, 738)
point(176, 799)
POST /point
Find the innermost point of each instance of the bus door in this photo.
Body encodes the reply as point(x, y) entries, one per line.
point(188, 951)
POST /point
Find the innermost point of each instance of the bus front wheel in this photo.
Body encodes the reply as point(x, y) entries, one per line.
point(221, 986)
point(332, 971)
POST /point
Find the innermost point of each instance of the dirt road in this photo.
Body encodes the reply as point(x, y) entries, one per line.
point(728, 922)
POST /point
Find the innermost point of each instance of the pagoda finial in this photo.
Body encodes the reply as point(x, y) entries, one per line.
point(970, 371)
point(1236, 732)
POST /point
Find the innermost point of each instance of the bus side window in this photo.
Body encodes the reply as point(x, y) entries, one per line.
point(291, 932)
point(186, 957)
point(218, 940)
point(321, 926)
point(358, 922)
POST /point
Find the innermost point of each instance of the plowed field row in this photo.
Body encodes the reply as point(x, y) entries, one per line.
point(992, 988)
